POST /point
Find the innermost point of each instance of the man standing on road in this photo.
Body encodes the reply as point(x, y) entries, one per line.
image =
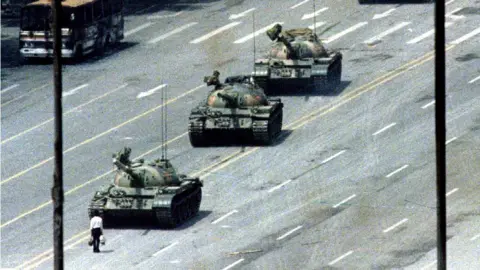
point(96, 228)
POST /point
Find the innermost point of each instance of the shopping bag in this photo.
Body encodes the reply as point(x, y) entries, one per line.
point(90, 241)
point(102, 239)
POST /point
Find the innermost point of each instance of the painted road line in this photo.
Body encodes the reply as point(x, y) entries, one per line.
point(173, 32)
point(236, 16)
point(225, 216)
point(317, 24)
point(466, 37)
point(395, 225)
point(344, 201)
point(314, 14)
point(454, 17)
point(475, 237)
point(215, 32)
point(299, 4)
point(233, 264)
point(346, 31)
point(383, 15)
point(9, 88)
point(428, 104)
point(151, 91)
point(74, 90)
point(21, 96)
point(474, 80)
point(279, 186)
point(429, 265)
point(332, 157)
point(256, 33)
point(386, 33)
point(340, 258)
point(389, 76)
point(165, 248)
point(426, 34)
point(449, 2)
point(383, 129)
point(397, 170)
point(154, 17)
point(139, 28)
point(65, 113)
point(451, 140)
point(290, 232)
point(451, 192)
point(145, 113)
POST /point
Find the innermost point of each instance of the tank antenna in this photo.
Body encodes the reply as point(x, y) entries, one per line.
point(314, 19)
point(254, 50)
point(164, 124)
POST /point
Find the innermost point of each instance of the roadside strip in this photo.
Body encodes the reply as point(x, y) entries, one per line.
point(294, 125)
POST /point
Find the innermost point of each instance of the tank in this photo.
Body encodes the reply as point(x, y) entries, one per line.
point(237, 109)
point(297, 58)
point(151, 190)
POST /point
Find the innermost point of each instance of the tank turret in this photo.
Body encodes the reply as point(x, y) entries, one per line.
point(275, 33)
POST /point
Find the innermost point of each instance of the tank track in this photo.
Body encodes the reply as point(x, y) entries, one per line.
point(182, 209)
point(264, 131)
point(196, 133)
point(331, 81)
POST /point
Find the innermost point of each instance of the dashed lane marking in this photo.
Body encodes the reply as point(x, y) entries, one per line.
point(474, 80)
point(139, 28)
point(256, 33)
point(451, 140)
point(332, 157)
point(9, 88)
point(428, 104)
point(346, 31)
point(397, 171)
point(215, 32)
point(314, 14)
point(426, 34)
point(151, 91)
point(386, 33)
point(317, 24)
point(344, 201)
point(340, 258)
point(466, 37)
point(299, 4)
point(236, 16)
point(289, 232)
point(74, 90)
point(395, 225)
point(451, 192)
point(24, 95)
point(165, 249)
point(384, 129)
point(233, 264)
point(279, 186)
point(156, 17)
point(224, 216)
point(173, 32)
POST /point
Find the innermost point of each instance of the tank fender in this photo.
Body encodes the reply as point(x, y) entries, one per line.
point(195, 181)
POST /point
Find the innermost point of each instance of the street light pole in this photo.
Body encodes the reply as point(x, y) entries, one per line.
point(57, 190)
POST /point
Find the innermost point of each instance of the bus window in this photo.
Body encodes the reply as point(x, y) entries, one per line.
point(88, 14)
point(107, 8)
point(97, 10)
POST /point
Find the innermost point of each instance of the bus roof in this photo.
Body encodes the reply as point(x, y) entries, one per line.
point(65, 3)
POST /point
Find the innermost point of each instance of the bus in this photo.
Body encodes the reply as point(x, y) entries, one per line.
point(86, 26)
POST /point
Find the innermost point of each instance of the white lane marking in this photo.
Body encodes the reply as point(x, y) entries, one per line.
point(279, 186)
point(233, 264)
point(340, 258)
point(256, 33)
point(451, 140)
point(226, 226)
point(429, 265)
point(467, 36)
point(74, 90)
point(397, 170)
point(451, 192)
point(139, 28)
point(344, 201)
point(428, 104)
point(215, 32)
point(449, 2)
point(299, 4)
point(454, 17)
point(383, 129)
point(314, 14)
point(395, 225)
point(151, 91)
point(153, 17)
point(173, 32)
point(175, 261)
point(332, 157)
point(23, 95)
point(426, 34)
point(318, 24)
point(165, 248)
point(225, 216)
point(387, 32)
point(236, 16)
point(474, 80)
point(384, 14)
point(344, 32)
point(475, 237)
point(8, 88)
point(290, 232)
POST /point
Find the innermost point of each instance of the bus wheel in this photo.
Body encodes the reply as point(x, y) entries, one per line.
point(78, 56)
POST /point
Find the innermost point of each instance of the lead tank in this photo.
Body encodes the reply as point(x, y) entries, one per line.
point(237, 109)
point(147, 189)
point(297, 58)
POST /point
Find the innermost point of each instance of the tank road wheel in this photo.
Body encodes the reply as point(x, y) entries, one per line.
point(262, 131)
point(197, 199)
point(334, 77)
point(196, 133)
point(278, 124)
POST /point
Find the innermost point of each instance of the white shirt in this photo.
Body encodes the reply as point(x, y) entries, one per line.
point(96, 222)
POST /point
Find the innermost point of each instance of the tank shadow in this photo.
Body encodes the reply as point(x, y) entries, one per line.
point(242, 140)
point(147, 223)
point(309, 90)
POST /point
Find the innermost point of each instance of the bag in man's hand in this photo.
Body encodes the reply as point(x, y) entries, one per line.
point(90, 241)
point(102, 239)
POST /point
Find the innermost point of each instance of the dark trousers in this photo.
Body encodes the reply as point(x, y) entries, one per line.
point(96, 233)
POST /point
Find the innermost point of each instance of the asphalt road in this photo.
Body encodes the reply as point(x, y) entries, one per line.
point(350, 184)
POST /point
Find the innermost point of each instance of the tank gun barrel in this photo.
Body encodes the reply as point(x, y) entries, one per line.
point(275, 33)
point(227, 98)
